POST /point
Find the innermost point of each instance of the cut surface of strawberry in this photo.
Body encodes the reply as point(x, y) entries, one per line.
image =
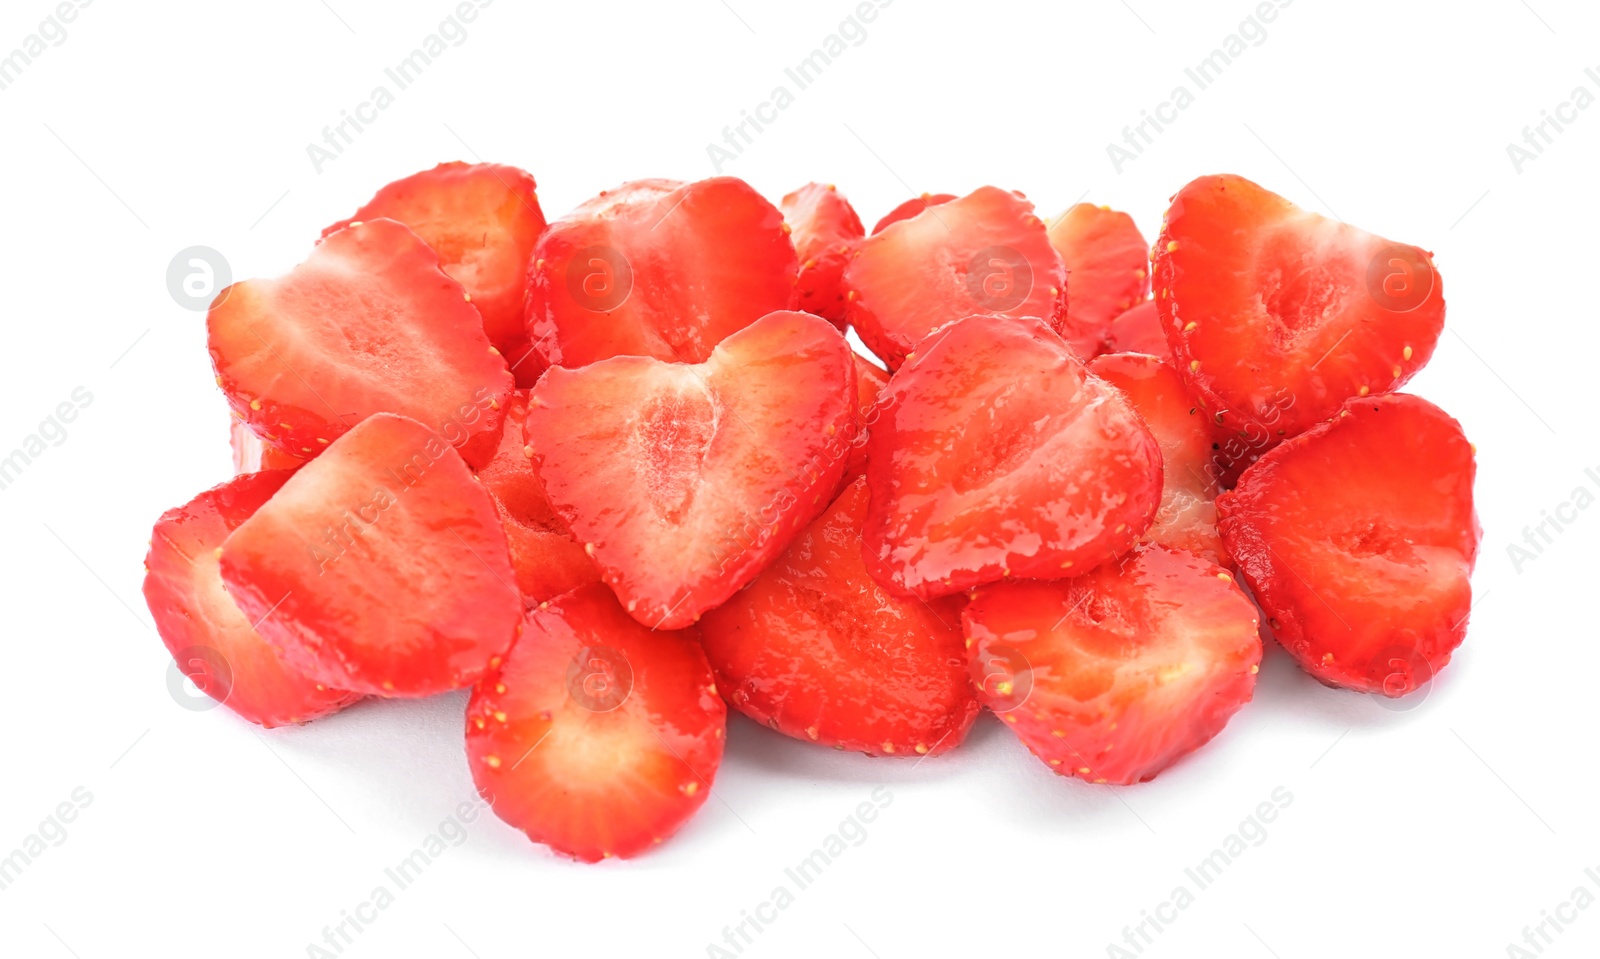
point(250, 455)
point(380, 566)
point(1108, 269)
point(594, 735)
point(870, 381)
point(1362, 558)
point(994, 454)
point(1276, 315)
point(483, 220)
point(826, 231)
point(911, 208)
point(367, 324)
point(817, 650)
point(684, 481)
point(1188, 515)
point(984, 253)
point(547, 560)
point(210, 639)
point(1116, 675)
point(1138, 330)
point(658, 268)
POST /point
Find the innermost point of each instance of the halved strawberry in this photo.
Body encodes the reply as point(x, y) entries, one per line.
point(1188, 515)
point(684, 481)
point(984, 253)
point(870, 381)
point(1276, 315)
point(1137, 330)
point(382, 564)
point(1114, 676)
point(658, 268)
point(826, 231)
point(596, 736)
point(483, 220)
point(367, 324)
point(994, 455)
point(547, 560)
point(1108, 268)
point(212, 641)
point(911, 208)
point(818, 651)
point(250, 455)
point(1358, 538)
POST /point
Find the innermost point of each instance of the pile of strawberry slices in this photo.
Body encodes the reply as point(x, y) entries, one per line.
point(622, 472)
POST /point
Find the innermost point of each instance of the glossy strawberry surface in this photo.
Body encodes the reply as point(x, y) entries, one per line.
point(995, 454)
point(594, 735)
point(1114, 676)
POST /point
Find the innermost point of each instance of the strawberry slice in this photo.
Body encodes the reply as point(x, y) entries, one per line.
point(684, 481)
point(1114, 676)
point(483, 220)
point(994, 454)
point(984, 253)
point(380, 566)
point(911, 208)
point(211, 640)
point(547, 560)
point(1137, 330)
point(826, 231)
point(1188, 515)
point(1361, 558)
point(596, 736)
point(1276, 315)
point(818, 651)
point(367, 324)
point(1107, 263)
point(250, 455)
point(658, 268)
point(870, 381)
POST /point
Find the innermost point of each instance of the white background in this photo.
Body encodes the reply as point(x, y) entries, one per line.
point(1441, 830)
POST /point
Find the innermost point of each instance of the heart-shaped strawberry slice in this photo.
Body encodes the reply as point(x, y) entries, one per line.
point(658, 268)
point(684, 481)
point(994, 454)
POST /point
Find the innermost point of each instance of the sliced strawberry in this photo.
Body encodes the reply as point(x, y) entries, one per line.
point(984, 253)
point(547, 560)
point(870, 381)
point(658, 268)
point(1358, 538)
point(1188, 515)
point(367, 324)
point(596, 736)
point(684, 481)
point(1137, 330)
point(826, 232)
point(911, 208)
point(1276, 315)
point(1108, 268)
point(211, 640)
point(250, 455)
point(994, 454)
point(380, 566)
point(483, 220)
point(818, 651)
point(1114, 676)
